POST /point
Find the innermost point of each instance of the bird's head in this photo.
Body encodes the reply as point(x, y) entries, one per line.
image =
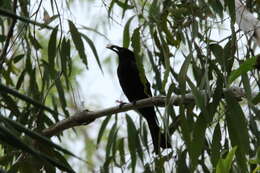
point(121, 51)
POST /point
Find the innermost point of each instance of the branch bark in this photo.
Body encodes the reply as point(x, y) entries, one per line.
point(86, 117)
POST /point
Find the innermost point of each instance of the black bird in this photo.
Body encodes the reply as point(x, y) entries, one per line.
point(134, 89)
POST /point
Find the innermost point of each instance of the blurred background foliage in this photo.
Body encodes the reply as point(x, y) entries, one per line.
point(185, 46)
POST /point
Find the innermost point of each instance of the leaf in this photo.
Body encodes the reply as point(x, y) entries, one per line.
point(102, 129)
point(183, 71)
point(132, 139)
point(224, 165)
point(35, 42)
point(218, 52)
point(126, 35)
point(236, 122)
point(34, 135)
point(18, 58)
point(137, 49)
point(243, 69)
point(64, 56)
point(20, 79)
point(121, 150)
point(232, 10)
point(93, 48)
point(52, 49)
point(76, 37)
point(61, 94)
point(216, 146)
point(9, 138)
point(256, 99)
point(111, 137)
point(198, 140)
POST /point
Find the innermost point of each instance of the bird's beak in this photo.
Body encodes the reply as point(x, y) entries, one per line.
point(112, 47)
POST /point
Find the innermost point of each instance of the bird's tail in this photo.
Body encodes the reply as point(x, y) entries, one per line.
point(159, 139)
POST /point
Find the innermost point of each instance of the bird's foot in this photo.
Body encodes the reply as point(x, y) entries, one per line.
point(121, 103)
point(133, 102)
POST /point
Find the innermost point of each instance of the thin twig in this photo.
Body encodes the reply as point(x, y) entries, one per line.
point(7, 13)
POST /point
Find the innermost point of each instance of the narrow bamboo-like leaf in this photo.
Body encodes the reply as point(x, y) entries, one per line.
point(137, 52)
point(124, 5)
point(35, 135)
point(110, 141)
point(199, 99)
point(198, 140)
point(35, 42)
point(236, 122)
point(218, 52)
point(132, 136)
point(183, 72)
point(145, 137)
point(244, 68)
point(9, 138)
point(61, 94)
point(256, 99)
point(20, 79)
point(224, 165)
point(102, 129)
point(126, 35)
point(18, 58)
point(231, 9)
point(11, 104)
point(93, 48)
point(76, 37)
point(121, 149)
point(181, 162)
point(52, 49)
point(216, 146)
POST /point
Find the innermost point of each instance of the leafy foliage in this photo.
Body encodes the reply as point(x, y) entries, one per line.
point(215, 133)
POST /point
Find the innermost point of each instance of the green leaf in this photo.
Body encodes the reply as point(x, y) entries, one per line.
point(52, 49)
point(20, 79)
point(35, 42)
point(18, 58)
point(232, 10)
point(126, 35)
point(121, 150)
point(132, 140)
point(76, 37)
point(111, 137)
point(137, 52)
point(198, 140)
point(237, 129)
point(224, 165)
point(61, 94)
point(34, 135)
point(8, 137)
point(183, 71)
point(216, 146)
point(243, 69)
point(218, 52)
point(93, 48)
point(256, 99)
point(102, 128)
point(64, 56)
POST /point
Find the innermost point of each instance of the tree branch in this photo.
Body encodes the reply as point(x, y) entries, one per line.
point(86, 117)
point(7, 13)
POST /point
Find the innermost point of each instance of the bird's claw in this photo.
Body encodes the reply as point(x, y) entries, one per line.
point(121, 103)
point(134, 102)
